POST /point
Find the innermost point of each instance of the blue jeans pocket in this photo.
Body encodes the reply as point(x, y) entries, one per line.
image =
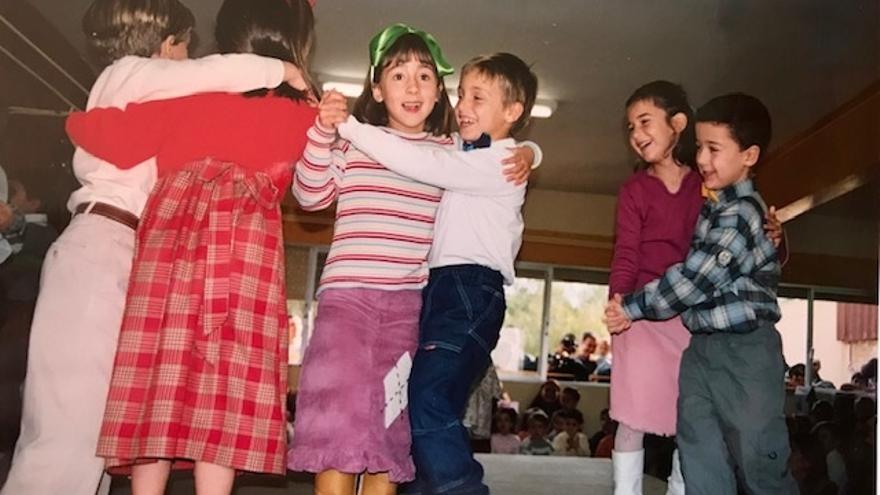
point(458, 309)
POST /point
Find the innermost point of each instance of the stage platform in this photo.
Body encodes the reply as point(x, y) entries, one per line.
point(505, 475)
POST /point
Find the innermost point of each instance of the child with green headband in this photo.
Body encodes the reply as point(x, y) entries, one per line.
point(352, 417)
point(478, 235)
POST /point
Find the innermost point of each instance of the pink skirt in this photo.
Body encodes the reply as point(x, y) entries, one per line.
point(644, 380)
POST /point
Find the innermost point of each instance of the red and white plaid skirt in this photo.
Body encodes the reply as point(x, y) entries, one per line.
point(201, 367)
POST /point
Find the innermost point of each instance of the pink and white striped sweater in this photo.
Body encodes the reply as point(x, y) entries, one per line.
point(384, 221)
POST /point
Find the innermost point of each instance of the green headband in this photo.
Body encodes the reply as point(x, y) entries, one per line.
point(380, 44)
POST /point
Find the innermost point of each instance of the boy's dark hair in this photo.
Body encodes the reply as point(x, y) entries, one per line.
point(538, 417)
point(282, 29)
point(797, 370)
point(672, 99)
point(441, 121)
point(573, 392)
point(746, 117)
point(520, 84)
point(116, 28)
point(572, 414)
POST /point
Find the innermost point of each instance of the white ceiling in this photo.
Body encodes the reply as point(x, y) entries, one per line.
point(804, 58)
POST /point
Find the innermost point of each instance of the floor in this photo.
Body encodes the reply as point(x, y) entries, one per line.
point(505, 475)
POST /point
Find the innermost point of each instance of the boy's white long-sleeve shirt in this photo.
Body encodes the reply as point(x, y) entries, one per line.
point(479, 220)
point(136, 79)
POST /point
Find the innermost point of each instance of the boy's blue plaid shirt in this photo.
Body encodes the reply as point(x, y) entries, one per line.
point(728, 281)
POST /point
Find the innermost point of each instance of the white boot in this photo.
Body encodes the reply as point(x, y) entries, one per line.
point(628, 468)
point(675, 482)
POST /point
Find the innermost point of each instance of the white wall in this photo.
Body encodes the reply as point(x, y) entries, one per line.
point(839, 359)
point(573, 213)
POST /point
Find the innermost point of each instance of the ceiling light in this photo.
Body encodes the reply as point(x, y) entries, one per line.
point(542, 109)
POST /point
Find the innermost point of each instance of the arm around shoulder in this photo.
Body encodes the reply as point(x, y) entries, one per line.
point(124, 138)
point(474, 172)
point(231, 73)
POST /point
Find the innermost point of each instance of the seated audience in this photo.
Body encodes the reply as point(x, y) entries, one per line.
point(557, 424)
point(547, 399)
point(523, 430)
point(571, 441)
point(604, 417)
point(504, 440)
point(821, 411)
point(586, 351)
point(570, 398)
point(536, 443)
point(565, 364)
point(603, 360)
point(480, 410)
point(827, 436)
point(869, 372)
point(796, 377)
point(606, 444)
point(807, 464)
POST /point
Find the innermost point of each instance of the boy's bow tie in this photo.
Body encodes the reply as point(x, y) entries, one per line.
point(484, 141)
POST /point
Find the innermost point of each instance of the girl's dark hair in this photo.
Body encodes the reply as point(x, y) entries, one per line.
point(282, 29)
point(510, 413)
point(672, 99)
point(440, 122)
point(117, 28)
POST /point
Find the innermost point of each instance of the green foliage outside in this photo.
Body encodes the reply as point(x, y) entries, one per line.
point(574, 308)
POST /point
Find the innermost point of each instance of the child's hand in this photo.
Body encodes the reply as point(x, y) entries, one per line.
point(615, 319)
point(518, 166)
point(333, 109)
point(773, 227)
point(294, 78)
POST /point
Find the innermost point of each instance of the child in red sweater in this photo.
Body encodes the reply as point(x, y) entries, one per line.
point(200, 372)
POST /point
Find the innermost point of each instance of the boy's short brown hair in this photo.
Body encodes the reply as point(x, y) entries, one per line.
point(116, 28)
point(520, 84)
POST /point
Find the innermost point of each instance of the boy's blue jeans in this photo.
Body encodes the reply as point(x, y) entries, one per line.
point(462, 313)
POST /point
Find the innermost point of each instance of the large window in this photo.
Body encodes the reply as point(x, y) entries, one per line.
point(547, 302)
point(519, 346)
point(543, 305)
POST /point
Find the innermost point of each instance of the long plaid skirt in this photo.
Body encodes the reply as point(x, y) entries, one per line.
point(200, 371)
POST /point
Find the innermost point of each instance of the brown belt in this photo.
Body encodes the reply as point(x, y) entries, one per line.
point(126, 218)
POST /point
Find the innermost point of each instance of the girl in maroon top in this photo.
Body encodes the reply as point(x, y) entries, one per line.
point(201, 365)
point(657, 211)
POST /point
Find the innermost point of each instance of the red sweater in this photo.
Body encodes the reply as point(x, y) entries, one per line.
point(258, 133)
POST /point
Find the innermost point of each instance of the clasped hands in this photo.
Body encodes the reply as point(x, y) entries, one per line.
point(615, 318)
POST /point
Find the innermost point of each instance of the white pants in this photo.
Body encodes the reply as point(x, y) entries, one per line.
point(72, 347)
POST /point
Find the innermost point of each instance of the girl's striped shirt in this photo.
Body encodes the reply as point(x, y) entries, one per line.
point(384, 221)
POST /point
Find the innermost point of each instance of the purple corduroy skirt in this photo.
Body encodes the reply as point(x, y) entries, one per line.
point(352, 363)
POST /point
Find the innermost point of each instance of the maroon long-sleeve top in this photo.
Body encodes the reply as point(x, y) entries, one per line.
point(653, 228)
